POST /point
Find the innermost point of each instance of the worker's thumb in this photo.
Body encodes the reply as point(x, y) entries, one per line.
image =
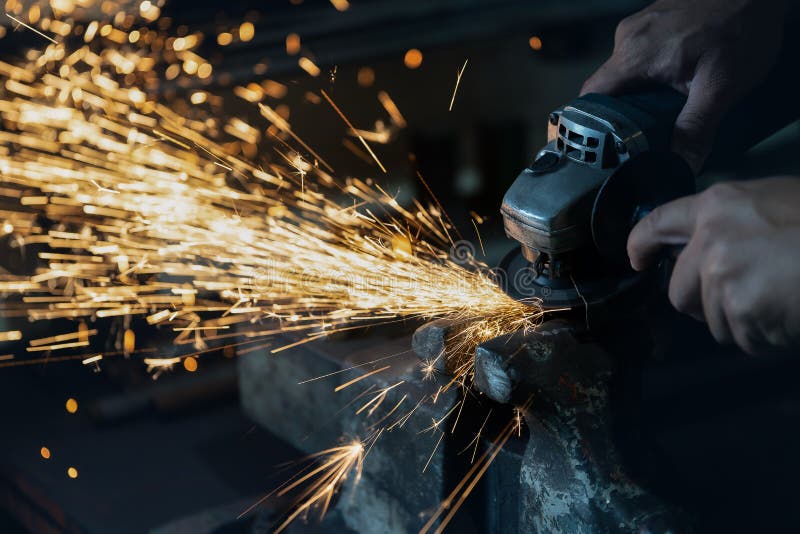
point(696, 125)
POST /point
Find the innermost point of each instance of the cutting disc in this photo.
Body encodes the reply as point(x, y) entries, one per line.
point(521, 282)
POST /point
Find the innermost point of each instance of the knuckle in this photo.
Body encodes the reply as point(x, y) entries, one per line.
point(632, 29)
point(736, 309)
point(626, 57)
point(671, 65)
point(653, 220)
point(717, 261)
point(716, 200)
point(625, 27)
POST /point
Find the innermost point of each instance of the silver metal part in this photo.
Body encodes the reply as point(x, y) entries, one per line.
point(548, 206)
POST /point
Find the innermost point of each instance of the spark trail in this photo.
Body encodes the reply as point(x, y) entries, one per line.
point(149, 217)
point(131, 206)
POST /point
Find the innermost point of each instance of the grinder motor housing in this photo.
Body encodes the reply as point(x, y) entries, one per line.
point(607, 163)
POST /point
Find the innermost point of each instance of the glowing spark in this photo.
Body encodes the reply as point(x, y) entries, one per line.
point(161, 214)
point(190, 364)
point(11, 335)
point(458, 82)
point(159, 365)
point(360, 154)
point(435, 424)
point(389, 413)
point(198, 328)
point(477, 233)
point(31, 28)
point(392, 109)
point(438, 204)
point(353, 129)
point(62, 337)
point(476, 440)
point(326, 473)
point(278, 121)
point(309, 66)
point(371, 362)
point(378, 399)
point(402, 421)
point(359, 378)
point(435, 448)
point(458, 416)
point(58, 346)
point(292, 44)
point(429, 368)
point(462, 490)
point(413, 58)
point(518, 420)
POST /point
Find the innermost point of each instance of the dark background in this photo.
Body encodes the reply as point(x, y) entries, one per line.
point(151, 452)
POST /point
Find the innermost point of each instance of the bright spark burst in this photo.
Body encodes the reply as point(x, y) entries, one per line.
point(155, 219)
point(138, 208)
point(322, 479)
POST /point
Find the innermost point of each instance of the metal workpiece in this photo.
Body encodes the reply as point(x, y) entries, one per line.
point(572, 479)
point(574, 472)
point(574, 476)
point(430, 343)
point(506, 365)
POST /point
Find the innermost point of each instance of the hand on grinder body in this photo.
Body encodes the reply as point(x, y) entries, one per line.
point(713, 51)
point(740, 269)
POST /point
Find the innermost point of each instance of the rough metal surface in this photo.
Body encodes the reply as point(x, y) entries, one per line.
point(566, 473)
point(429, 342)
point(393, 491)
point(498, 369)
point(572, 475)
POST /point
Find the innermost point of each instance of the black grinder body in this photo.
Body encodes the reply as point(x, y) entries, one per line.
point(606, 164)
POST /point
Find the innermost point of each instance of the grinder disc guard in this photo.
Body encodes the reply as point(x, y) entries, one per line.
point(521, 282)
point(599, 271)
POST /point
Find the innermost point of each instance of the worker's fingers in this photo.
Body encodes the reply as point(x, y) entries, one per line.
point(670, 224)
point(612, 78)
point(714, 311)
point(700, 116)
point(685, 284)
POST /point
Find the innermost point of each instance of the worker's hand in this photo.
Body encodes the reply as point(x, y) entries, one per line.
point(714, 51)
point(740, 270)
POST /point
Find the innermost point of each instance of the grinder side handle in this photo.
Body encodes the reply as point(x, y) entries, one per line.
point(653, 109)
point(766, 109)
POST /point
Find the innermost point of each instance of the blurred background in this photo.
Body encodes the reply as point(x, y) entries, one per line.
point(112, 450)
